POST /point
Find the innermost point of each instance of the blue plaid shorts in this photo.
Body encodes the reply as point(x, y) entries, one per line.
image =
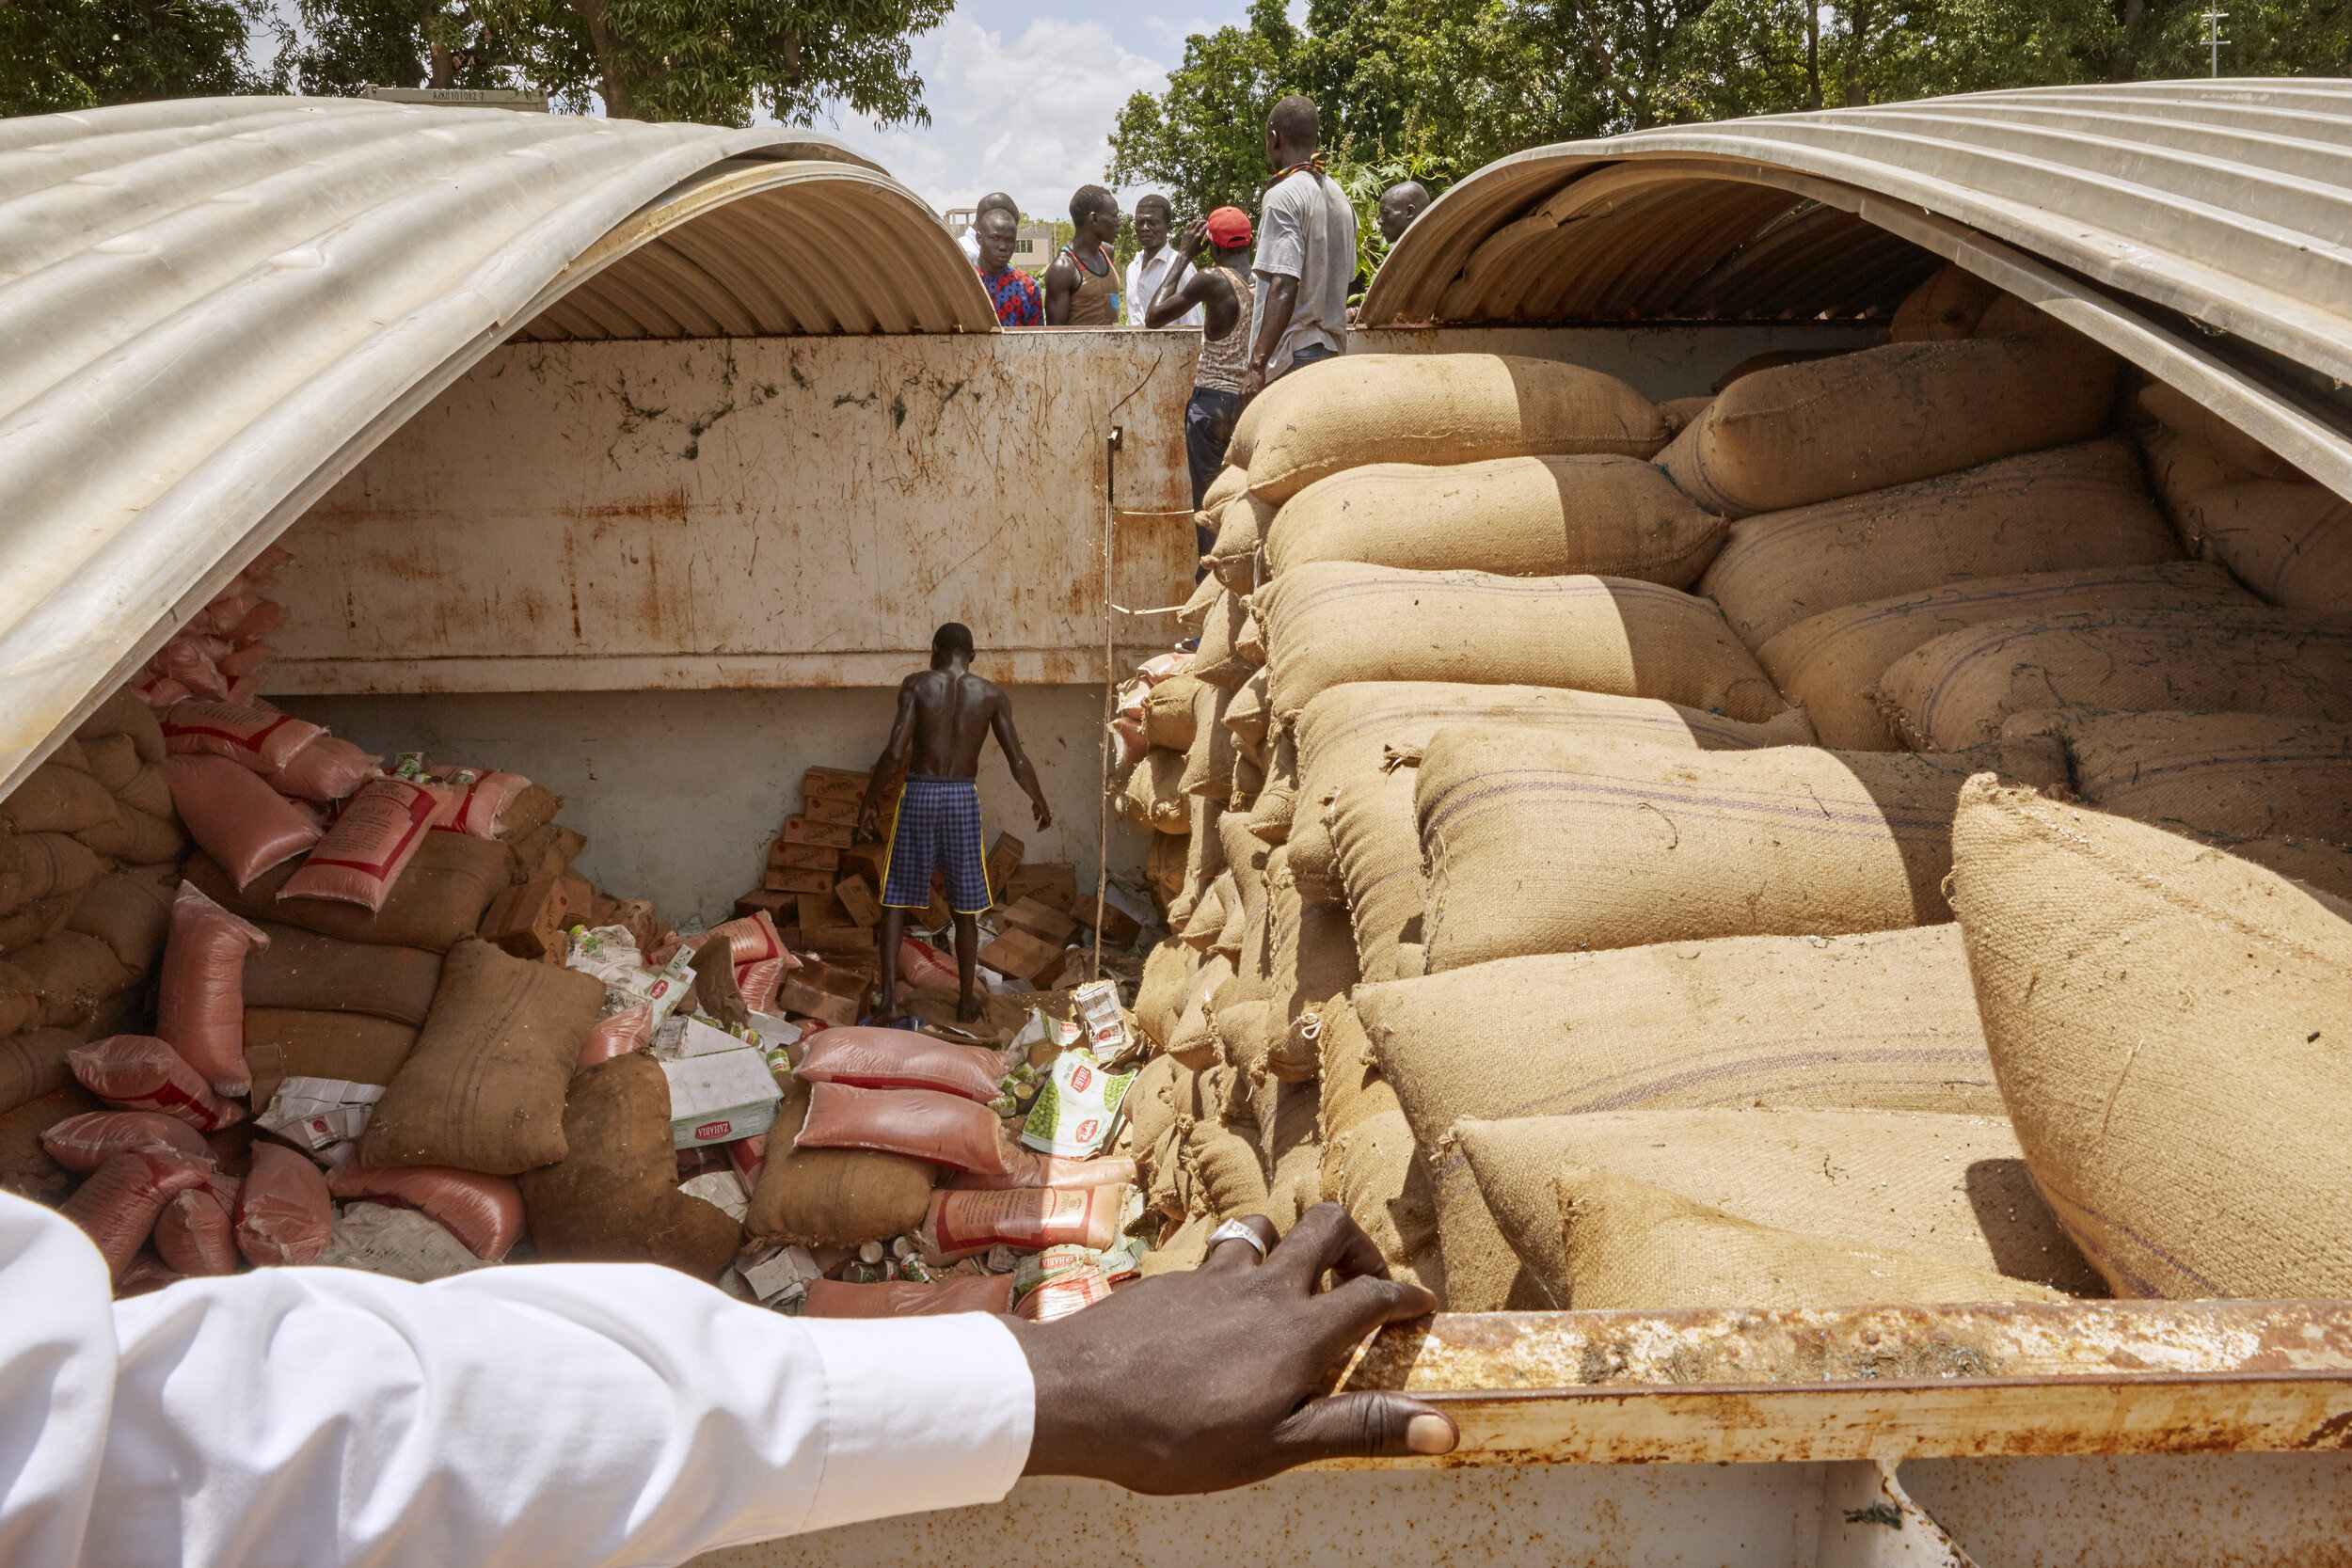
point(937, 828)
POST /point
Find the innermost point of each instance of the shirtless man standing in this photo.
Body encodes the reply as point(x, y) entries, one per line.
point(945, 714)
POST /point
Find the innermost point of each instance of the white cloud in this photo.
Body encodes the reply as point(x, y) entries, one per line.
point(1032, 116)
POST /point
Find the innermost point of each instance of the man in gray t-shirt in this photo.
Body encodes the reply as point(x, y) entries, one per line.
point(1306, 252)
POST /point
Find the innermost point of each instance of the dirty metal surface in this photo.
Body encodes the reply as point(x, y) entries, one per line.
point(752, 512)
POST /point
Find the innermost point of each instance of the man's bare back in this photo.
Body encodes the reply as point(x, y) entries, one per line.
point(952, 713)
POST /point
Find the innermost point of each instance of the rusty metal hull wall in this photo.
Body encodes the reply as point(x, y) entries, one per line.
point(751, 512)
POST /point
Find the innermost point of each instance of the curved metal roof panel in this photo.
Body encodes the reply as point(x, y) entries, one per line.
point(211, 308)
point(2203, 230)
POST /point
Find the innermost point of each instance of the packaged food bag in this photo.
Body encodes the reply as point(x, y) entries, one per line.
point(329, 768)
point(258, 738)
point(284, 1215)
point(1026, 1168)
point(196, 1233)
point(1077, 1109)
point(869, 1058)
point(236, 815)
point(960, 1224)
point(477, 798)
point(139, 1072)
point(903, 1298)
point(484, 1212)
point(86, 1142)
point(118, 1204)
point(921, 1124)
point(609, 954)
point(200, 1006)
point(371, 844)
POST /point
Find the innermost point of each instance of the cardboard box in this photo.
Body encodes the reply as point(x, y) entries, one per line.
point(856, 896)
point(796, 995)
point(1116, 923)
point(783, 908)
point(1050, 885)
point(1039, 919)
point(828, 808)
point(867, 859)
point(821, 910)
point(789, 880)
point(527, 920)
point(719, 1098)
point(848, 979)
point(838, 783)
point(1004, 859)
point(831, 835)
point(839, 939)
point(803, 857)
point(1022, 954)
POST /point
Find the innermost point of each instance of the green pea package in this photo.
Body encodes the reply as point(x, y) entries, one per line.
point(1077, 1109)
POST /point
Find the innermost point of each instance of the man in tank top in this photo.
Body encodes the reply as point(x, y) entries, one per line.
point(1083, 286)
point(1221, 291)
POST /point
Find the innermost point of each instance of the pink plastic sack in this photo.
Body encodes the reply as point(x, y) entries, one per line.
point(1028, 1168)
point(1031, 1219)
point(234, 814)
point(371, 843)
point(1130, 698)
point(474, 807)
point(926, 966)
point(870, 1058)
point(188, 660)
point(484, 1211)
point(258, 739)
point(118, 1204)
point(139, 1072)
point(757, 982)
point(265, 617)
point(160, 691)
point(747, 1155)
point(221, 617)
point(907, 1298)
point(1128, 742)
point(200, 1000)
point(145, 1273)
point(329, 769)
point(284, 1215)
point(240, 665)
point(628, 1030)
point(86, 1142)
point(197, 1232)
point(921, 1124)
point(1160, 666)
point(751, 939)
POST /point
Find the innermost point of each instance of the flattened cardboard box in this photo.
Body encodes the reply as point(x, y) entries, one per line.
point(719, 1098)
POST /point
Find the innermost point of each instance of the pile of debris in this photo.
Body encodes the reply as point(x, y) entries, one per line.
point(1574, 801)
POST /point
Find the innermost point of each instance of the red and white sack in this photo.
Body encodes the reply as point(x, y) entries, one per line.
point(236, 815)
point(257, 739)
point(201, 1002)
point(907, 1298)
point(222, 616)
point(484, 1211)
point(869, 1058)
point(241, 667)
point(921, 1124)
point(139, 1072)
point(118, 1204)
point(1160, 666)
point(1030, 1219)
point(265, 617)
point(145, 1273)
point(188, 660)
point(1128, 742)
point(475, 803)
point(284, 1215)
point(926, 966)
point(1028, 1168)
point(329, 769)
point(747, 1155)
point(86, 1142)
point(161, 691)
point(631, 1029)
point(1130, 698)
point(197, 1231)
point(371, 843)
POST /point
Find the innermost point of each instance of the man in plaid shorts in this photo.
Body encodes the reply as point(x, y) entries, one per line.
point(946, 715)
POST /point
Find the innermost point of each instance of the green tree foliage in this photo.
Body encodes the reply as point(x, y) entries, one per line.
point(61, 55)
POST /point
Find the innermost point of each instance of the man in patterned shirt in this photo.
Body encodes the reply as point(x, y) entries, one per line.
point(1014, 293)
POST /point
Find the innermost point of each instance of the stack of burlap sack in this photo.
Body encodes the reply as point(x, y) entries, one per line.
point(1603, 887)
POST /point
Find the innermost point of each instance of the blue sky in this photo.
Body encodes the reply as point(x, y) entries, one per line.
point(1023, 94)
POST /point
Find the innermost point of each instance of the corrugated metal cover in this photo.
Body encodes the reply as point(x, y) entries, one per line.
point(2198, 227)
point(211, 308)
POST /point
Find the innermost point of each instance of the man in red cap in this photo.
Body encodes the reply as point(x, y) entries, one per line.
point(1221, 286)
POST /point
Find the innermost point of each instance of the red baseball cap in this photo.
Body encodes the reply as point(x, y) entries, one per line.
point(1229, 226)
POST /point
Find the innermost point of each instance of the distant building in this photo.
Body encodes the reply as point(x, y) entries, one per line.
point(1032, 245)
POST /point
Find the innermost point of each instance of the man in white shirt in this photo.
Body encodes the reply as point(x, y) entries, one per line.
point(1152, 260)
point(1306, 252)
point(618, 1414)
point(994, 202)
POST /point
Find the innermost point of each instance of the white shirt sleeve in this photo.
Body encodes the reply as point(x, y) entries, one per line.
point(577, 1413)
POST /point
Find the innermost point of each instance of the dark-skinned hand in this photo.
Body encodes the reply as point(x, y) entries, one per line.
point(1197, 1382)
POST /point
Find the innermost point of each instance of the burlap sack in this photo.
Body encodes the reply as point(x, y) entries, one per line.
point(1227, 1178)
point(1831, 662)
point(1209, 915)
point(1153, 799)
point(1241, 526)
point(1373, 1170)
point(1344, 1069)
point(2168, 1028)
point(1181, 1249)
point(75, 974)
point(56, 799)
point(1313, 951)
point(125, 713)
point(33, 866)
point(438, 900)
point(2290, 541)
point(2231, 447)
point(1219, 660)
point(1247, 856)
point(33, 920)
point(1195, 611)
point(1362, 735)
point(1231, 480)
point(1438, 408)
point(1234, 934)
point(1204, 849)
point(2223, 776)
point(351, 1048)
point(1160, 992)
point(1799, 434)
point(1167, 710)
point(1194, 1043)
point(1951, 1188)
point(483, 1089)
point(1163, 869)
point(2076, 507)
point(129, 911)
point(1209, 761)
point(1333, 623)
point(1246, 717)
point(148, 791)
point(135, 837)
point(832, 1196)
point(1295, 1186)
point(33, 1063)
point(1516, 516)
point(20, 1003)
point(309, 972)
point(615, 1198)
point(1538, 842)
point(113, 761)
point(1958, 689)
point(1947, 306)
point(1606, 1243)
point(1149, 1103)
